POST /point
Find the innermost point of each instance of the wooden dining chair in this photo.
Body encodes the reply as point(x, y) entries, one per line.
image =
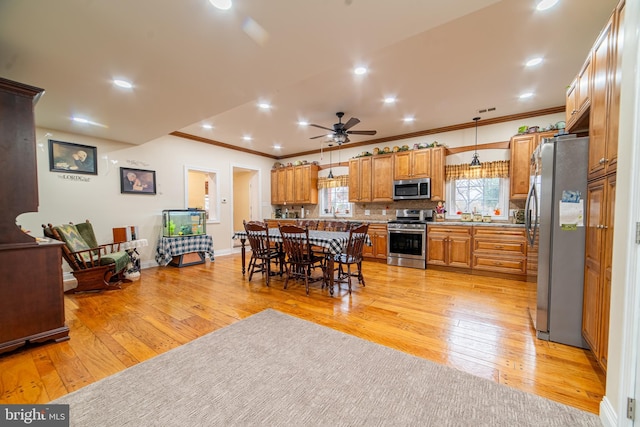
point(336, 225)
point(352, 255)
point(300, 259)
point(262, 253)
point(311, 224)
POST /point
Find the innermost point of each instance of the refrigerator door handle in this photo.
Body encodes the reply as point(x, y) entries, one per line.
point(530, 226)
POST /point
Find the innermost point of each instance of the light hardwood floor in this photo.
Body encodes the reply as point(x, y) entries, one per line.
point(476, 324)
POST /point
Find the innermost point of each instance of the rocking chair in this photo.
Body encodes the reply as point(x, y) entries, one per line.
point(95, 267)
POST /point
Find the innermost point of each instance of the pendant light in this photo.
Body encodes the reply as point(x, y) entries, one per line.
point(330, 176)
point(475, 162)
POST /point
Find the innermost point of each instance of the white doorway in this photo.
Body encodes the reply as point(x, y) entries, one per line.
point(246, 197)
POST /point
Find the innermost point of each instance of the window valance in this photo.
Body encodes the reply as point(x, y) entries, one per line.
point(497, 169)
point(338, 181)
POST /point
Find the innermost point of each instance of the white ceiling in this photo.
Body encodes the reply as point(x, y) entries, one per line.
point(193, 64)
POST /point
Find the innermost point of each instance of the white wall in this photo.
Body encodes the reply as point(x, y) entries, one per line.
point(99, 199)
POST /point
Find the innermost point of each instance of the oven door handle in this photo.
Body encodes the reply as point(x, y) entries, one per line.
point(407, 231)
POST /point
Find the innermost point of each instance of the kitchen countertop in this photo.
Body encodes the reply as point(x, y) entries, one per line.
point(447, 223)
point(478, 224)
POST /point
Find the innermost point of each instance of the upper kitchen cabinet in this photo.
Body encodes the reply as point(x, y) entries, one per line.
point(360, 184)
point(382, 178)
point(305, 189)
point(294, 184)
point(521, 148)
point(578, 99)
point(438, 156)
point(412, 164)
point(602, 149)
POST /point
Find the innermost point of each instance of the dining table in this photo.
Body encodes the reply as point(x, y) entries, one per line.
point(333, 241)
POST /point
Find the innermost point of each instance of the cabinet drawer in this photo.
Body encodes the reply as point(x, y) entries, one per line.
point(506, 247)
point(502, 265)
point(460, 230)
point(498, 233)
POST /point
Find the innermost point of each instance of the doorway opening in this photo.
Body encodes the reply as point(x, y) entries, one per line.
point(246, 197)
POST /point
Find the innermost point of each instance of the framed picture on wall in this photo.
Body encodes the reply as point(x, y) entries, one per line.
point(137, 181)
point(72, 158)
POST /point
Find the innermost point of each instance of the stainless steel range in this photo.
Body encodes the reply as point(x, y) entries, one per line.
point(407, 237)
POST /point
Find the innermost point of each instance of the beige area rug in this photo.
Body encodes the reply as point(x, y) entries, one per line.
point(274, 369)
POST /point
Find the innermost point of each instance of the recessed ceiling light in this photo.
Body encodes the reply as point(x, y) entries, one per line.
point(546, 4)
point(221, 4)
point(533, 62)
point(526, 95)
point(207, 126)
point(247, 138)
point(408, 119)
point(264, 105)
point(359, 70)
point(277, 146)
point(122, 83)
point(303, 123)
point(389, 100)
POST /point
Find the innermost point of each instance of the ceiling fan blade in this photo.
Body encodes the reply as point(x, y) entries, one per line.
point(352, 122)
point(320, 136)
point(361, 132)
point(321, 127)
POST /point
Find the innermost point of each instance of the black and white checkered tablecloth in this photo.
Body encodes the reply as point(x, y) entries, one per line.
point(335, 241)
point(168, 247)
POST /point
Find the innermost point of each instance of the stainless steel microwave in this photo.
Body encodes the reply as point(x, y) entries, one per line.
point(408, 189)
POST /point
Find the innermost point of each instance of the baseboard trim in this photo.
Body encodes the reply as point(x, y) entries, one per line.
point(608, 414)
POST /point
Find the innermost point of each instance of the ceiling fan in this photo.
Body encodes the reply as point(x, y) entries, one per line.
point(341, 130)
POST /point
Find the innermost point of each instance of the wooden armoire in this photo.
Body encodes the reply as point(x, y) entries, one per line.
point(31, 292)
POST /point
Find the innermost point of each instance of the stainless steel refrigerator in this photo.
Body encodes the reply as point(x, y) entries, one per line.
point(554, 215)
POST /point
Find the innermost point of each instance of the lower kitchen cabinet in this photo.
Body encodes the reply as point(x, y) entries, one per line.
point(449, 246)
point(500, 250)
point(379, 239)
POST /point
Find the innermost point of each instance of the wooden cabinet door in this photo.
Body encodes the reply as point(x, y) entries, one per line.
point(607, 261)
point(583, 97)
point(614, 99)
point(571, 100)
point(592, 274)
point(380, 245)
point(282, 185)
point(436, 248)
point(360, 184)
point(521, 148)
point(382, 178)
point(306, 184)
point(274, 187)
point(402, 165)
point(289, 185)
point(354, 180)
point(436, 173)
point(421, 163)
point(598, 119)
point(301, 184)
point(459, 250)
